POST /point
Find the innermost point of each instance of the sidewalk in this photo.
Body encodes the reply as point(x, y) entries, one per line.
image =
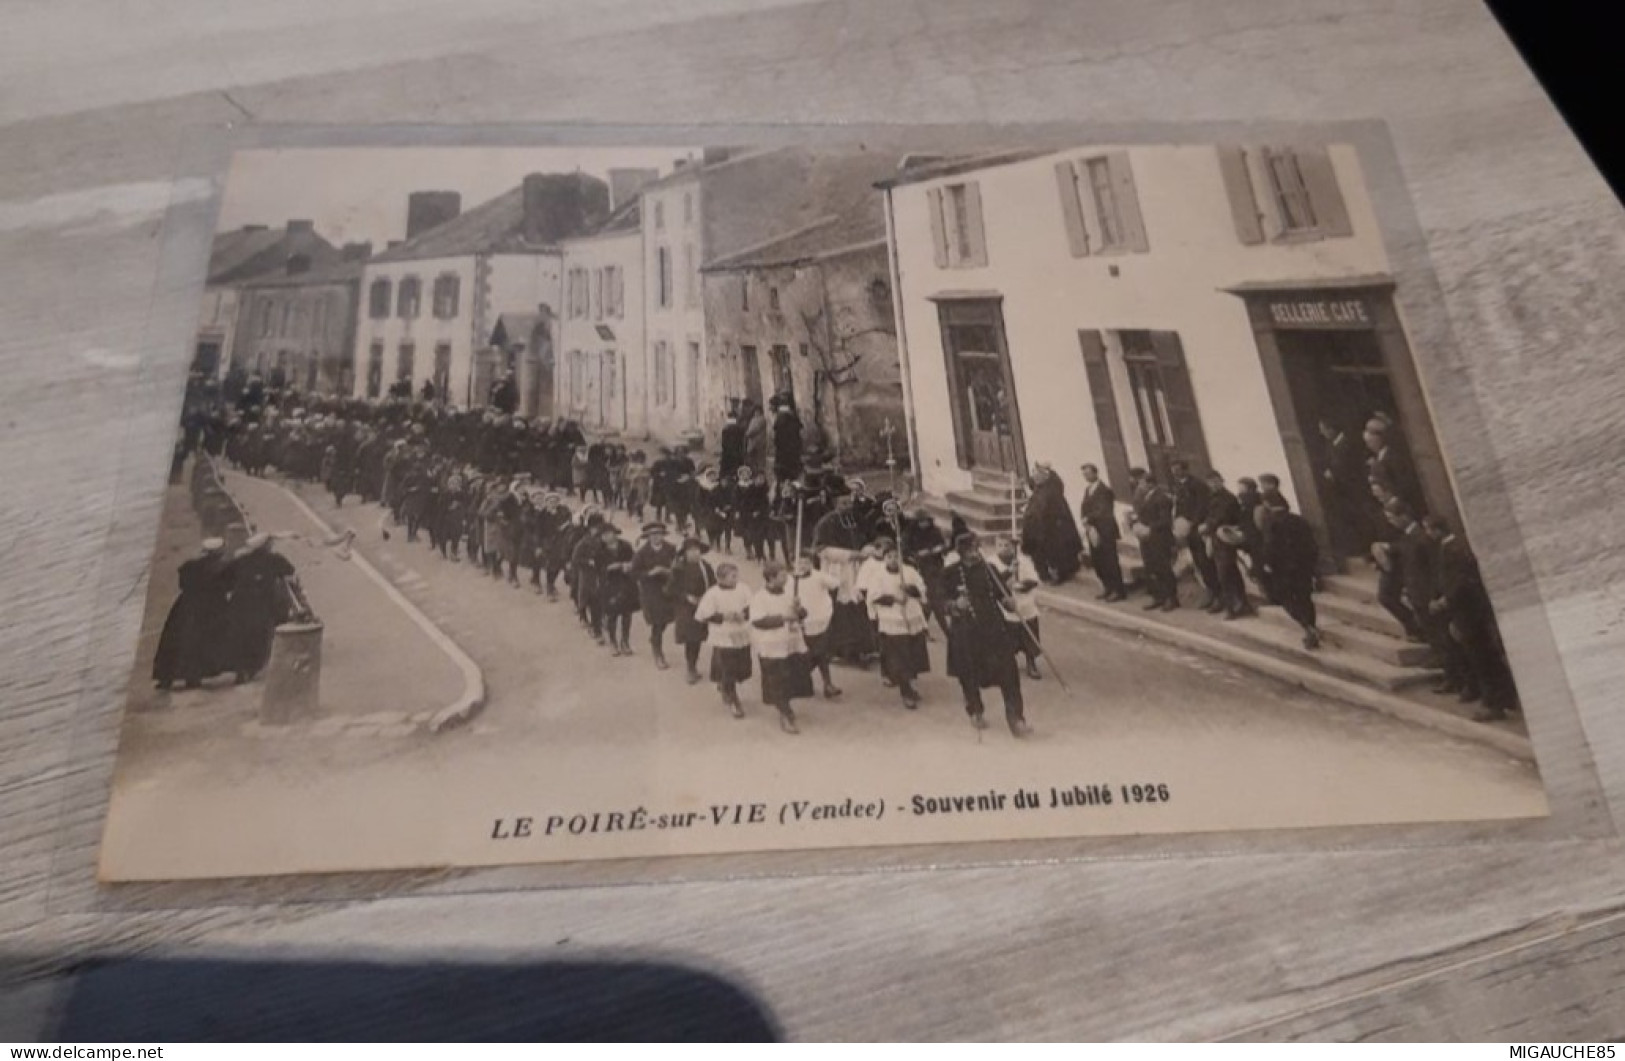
point(383, 673)
point(1197, 631)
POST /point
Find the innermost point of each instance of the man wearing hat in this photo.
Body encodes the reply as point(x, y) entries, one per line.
point(1222, 533)
point(752, 509)
point(584, 573)
point(557, 538)
point(1153, 518)
point(651, 568)
point(1389, 465)
point(617, 588)
point(190, 648)
point(1289, 556)
point(925, 547)
point(1190, 513)
point(787, 463)
point(981, 647)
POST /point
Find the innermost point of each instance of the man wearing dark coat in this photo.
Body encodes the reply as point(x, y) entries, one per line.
point(1190, 512)
point(260, 602)
point(558, 540)
point(925, 548)
point(1344, 475)
point(1465, 605)
point(191, 648)
point(1391, 466)
point(651, 569)
point(1222, 533)
point(1416, 554)
point(1098, 509)
point(1154, 526)
point(691, 576)
point(839, 539)
point(787, 462)
point(584, 576)
point(505, 394)
point(755, 438)
point(1289, 555)
point(982, 648)
point(1049, 535)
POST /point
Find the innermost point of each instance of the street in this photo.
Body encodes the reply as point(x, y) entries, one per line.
point(569, 729)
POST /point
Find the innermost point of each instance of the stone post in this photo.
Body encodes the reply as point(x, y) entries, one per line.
point(293, 675)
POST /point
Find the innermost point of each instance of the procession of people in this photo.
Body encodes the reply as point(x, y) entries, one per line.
point(847, 576)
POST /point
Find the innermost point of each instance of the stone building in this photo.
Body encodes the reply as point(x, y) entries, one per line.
point(298, 327)
point(431, 304)
point(236, 257)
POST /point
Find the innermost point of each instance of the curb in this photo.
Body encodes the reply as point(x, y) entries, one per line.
point(1308, 678)
point(472, 699)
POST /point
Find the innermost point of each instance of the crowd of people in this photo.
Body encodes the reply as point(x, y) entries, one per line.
point(847, 574)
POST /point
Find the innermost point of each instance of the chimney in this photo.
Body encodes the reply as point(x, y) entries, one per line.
point(300, 225)
point(624, 185)
point(254, 228)
point(355, 252)
point(425, 210)
point(557, 205)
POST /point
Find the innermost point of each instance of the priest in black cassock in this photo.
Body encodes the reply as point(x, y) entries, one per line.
point(839, 538)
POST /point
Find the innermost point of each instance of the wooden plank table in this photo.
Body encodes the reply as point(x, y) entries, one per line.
point(101, 106)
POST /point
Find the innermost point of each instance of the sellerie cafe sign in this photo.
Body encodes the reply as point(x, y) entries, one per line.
point(1320, 313)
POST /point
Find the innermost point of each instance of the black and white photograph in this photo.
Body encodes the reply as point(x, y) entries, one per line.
point(573, 503)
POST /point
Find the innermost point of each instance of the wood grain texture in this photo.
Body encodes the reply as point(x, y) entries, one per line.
point(102, 114)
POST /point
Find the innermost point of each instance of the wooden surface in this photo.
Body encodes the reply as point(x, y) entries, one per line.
point(100, 107)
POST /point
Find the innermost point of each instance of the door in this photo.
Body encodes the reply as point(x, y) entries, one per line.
point(1164, 401)
point(750, 370)
point(442, 371)
point(206, 361)
point(694, 384)
point(541, 343)
point(987, 422)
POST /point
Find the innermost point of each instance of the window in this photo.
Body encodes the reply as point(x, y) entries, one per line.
point(1287, 188)
point(660, 215)
point(287, 317)
point(1164, 402)
point(773, 299)
point(265, 319)
point(408, 298)
point(691, 277)
point(378, 299)
point(663, 276)
point(1100, 205)
point(404, 357)
point(784, 381)
point(1288, 194)
point(744, 293)
point(442, 370)
point(614, 292)
point(664, 373)
point(375, 370)
point(688, 208)
point(956, 226)
point(598, 294)
point(447, 289)
point(318, 317)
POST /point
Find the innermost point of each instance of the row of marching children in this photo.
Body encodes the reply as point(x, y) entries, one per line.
point(806, 615)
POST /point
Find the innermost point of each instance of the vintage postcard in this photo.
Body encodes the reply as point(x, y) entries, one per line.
point(580, 503)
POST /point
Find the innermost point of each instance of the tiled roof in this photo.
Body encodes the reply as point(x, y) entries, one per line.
point(493, 227)
point(334, 273)
point(232, 249)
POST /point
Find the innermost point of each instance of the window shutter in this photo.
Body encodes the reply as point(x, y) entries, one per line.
point(1128, 201)
point(1243, 204)
point(1066, 180)
point(1325, 197)
point(1183, 417)
point(939, 234)
point(973, 219)
point(1113, 452)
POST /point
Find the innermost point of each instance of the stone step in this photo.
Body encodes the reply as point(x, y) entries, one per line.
point(976, 501)
point(1391, 650)
point(995, 481)
point(1367, 616)
point(1360, 586)
point(981, 523)
point(1341, 661)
